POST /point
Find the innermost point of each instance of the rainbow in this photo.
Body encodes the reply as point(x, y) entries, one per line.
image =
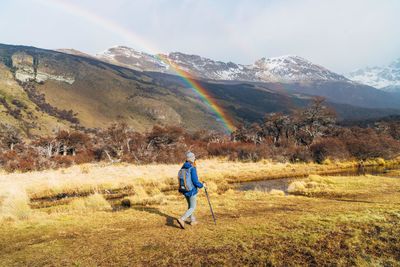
point(145, 46)
point(202, 92)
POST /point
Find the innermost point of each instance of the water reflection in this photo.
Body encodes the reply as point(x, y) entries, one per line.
point(283, 184)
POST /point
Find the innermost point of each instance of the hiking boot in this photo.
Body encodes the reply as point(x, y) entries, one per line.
point(194, 223)
point(181, 223)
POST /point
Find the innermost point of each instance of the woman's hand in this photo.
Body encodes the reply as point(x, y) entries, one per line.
point(204, 185)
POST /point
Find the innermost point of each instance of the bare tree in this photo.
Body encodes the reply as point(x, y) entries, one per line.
point(277, 126)
point(70, 142)
point(313, 121)
point(9, 136)
point(118, 139)
point(46, 146)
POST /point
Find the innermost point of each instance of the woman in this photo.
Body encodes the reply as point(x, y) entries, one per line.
point(191, 195)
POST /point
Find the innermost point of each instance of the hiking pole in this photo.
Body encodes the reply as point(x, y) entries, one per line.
point(209, 203)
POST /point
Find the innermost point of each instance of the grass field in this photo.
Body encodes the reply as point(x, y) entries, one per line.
point(91, 178)
point(324, 221)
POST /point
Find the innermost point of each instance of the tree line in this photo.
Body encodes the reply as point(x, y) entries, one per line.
point(305, 135)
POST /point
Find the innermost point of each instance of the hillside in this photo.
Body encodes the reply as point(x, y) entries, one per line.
point(19, 111)
point(97, 93)
point(44, 90)
point(343, 92)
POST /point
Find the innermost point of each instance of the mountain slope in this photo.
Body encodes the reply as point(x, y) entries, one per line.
point(249, 102)
point(99, 93)
point(19, 111)
point(42, 91)
point(74, 52)
point(293, 73)
point(279, 69)
point(343, 92)
point(386, 78)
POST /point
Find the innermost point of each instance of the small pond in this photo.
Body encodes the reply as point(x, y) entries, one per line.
point(283, 184)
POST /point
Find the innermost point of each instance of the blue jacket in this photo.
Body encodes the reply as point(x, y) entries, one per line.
point(195, 179)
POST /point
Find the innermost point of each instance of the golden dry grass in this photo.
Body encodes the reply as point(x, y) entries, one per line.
point(259, 228)
point(330, 220)
point(90, 178)
point(95, 202)
point(14, 204)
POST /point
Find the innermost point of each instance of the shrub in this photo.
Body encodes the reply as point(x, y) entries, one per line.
point(63, 161)
point(296, 187)
point(84, 157)
point(367, 143)
point(276, 192)
point(149, 200)
point(142, 198)
point(251, 152)
point(239, 151)
point(328, 148)
point(315, 184)
point(327, 162)
point(95, 202)
point(222, 149)
point(298, 154)
point(381, 161)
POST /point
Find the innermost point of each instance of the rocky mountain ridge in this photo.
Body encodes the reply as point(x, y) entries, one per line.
point(287, 68)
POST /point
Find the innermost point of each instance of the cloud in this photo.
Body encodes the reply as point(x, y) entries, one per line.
point(341, 35)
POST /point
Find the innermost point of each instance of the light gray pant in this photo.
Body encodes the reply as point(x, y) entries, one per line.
point(191, 207)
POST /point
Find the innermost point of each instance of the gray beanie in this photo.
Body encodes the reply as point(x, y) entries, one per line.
point(190, 156)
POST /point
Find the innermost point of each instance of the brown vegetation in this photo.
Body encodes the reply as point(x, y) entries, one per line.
point(309, 134)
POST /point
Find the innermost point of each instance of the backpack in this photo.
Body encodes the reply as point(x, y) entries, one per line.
point(185, 180)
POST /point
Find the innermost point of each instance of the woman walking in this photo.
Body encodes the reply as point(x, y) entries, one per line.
point(188, 184)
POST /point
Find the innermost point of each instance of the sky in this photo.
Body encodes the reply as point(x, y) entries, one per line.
point(341, 35)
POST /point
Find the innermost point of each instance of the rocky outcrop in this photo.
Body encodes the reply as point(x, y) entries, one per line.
point(27, 68)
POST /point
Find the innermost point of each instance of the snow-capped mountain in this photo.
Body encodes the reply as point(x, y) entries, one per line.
point(289, 74)
point(278, 69)
point(386, 78)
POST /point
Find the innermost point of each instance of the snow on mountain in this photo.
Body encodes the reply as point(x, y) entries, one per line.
point(279, 69)
point(386, 78)
point(203, 67)
point(293, 69)
point(130, 58)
